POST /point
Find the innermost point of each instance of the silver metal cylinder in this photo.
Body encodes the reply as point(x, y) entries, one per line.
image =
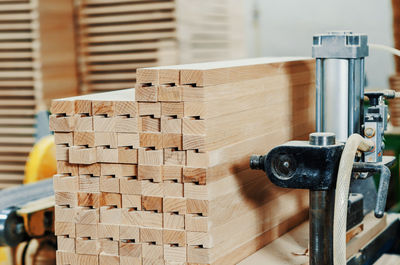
point(336, 95)
point(339, 82)
point(322, 138)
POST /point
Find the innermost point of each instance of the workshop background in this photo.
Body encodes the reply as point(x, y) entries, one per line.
point(57, 48)
point(271, 30)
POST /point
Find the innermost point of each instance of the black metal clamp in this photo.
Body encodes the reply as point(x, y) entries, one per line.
point(304, 165)
point(314, 165)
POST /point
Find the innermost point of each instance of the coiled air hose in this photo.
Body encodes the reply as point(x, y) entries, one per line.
point(354, 143)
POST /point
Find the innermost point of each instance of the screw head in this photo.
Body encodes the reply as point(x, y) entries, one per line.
point(369, 132)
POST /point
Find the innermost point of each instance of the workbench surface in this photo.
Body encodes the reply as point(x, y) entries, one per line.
point(292, 247)
point(287, 250)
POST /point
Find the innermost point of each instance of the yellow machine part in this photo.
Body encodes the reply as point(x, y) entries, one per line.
point(41, 164)
point(5, 254)
point(41, 161)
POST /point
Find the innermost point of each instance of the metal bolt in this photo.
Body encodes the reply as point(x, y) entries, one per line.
point(369, 132)
point(256, 162)
point(286, 164)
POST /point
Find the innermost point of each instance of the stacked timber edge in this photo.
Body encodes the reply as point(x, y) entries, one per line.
point(210, 30)
point(160, 174)
point(37, 62)
point(115, 38)
point(394, 80)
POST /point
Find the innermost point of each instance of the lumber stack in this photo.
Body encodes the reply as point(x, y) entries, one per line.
point(394, 80)
point(160, 174)
point(117, 37)
point(35, 64)
point(210, 30)
point(17, 89)
point(394, 104)
point(396, 31)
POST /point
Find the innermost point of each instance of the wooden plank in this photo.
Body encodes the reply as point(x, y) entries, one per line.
point(57, 49)
point(99, 2)
point(93, 49)
point(16, 177)
point(206, 74)
point(16, 26)
point(5, 185)
point(128, 27)
point(103, 58)
point(18, 130)
point(19, 121)
point(17, 7)
point(212, 140)
point(23, 16)
point(15, 149)
point(17, 112)
point(16, 55)
point(372, 226)
point(13, 158)
point(117, 66)
point(98, 10)
point(17, 139)
point(16, 93)
point(224, 72)
point(16, 64)
point(112, 38)
point(107, 77)
point(12, 36)
point(22, 102)
point(109, 86)
point(250, 230)
point(153, 16)
point(17, 83)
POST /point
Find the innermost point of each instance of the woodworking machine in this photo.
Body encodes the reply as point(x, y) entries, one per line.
point(315, 164)
point(26, 211)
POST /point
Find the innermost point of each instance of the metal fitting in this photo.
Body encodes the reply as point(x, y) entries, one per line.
point(340, 45)
point(322, 138)
point(369, 132)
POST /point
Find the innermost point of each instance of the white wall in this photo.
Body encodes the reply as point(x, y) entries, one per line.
point(286, 27)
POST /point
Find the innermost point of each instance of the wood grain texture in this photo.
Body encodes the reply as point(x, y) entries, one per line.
point(164, 175)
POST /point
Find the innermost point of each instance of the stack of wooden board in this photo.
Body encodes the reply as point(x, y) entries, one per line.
point(394, 104)
point(210, 30)
point(37, 62)
point(394, 80)
point(160, 174)
point(396, 31)
point(117, 37)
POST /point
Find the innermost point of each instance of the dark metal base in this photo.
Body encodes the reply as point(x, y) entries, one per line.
point(355, 213)
point(12, 230)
